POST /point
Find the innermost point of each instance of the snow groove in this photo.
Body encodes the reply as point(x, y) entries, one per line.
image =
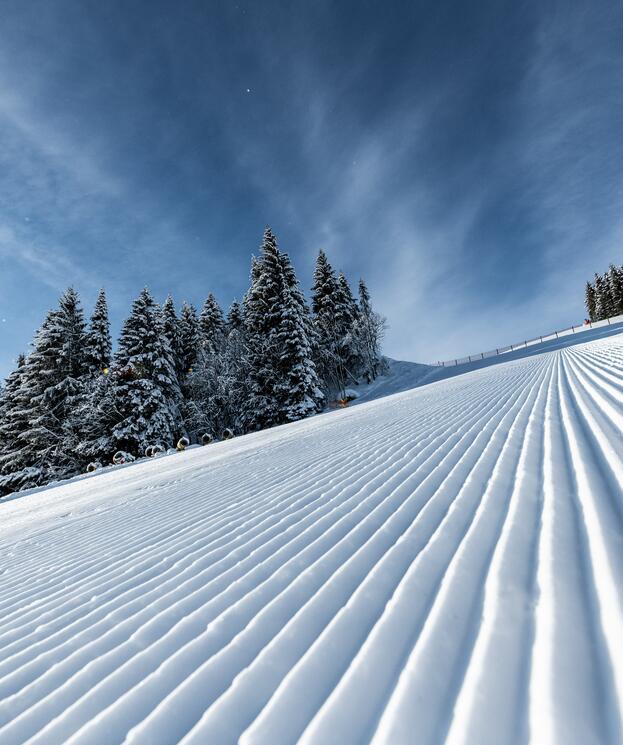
point(442, 565)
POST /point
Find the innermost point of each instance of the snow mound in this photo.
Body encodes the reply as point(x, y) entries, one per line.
point(442, 565)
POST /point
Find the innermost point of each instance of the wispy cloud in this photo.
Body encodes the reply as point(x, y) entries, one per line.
point(472, 177)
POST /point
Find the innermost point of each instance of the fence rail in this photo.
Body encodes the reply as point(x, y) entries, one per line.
point(529, 342)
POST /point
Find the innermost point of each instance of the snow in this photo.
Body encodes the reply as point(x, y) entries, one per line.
point(440, 565)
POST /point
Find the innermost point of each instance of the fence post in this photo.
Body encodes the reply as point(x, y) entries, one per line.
point(556, 332)
point(573, 329)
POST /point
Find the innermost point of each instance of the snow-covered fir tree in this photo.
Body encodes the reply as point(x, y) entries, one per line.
point(190, 338)
point(98, 341)
point(283, 383)
point(215, 390)
point(51, 387)
point(300, 388)
point(144, 395)
point(615, 286)
point(234, 316)
point(589, 301)
point(602, 298)
point(13, 423)
point(171, 330)
point(348, 312)
point(335, 315)
point(369, 331)
point(212, 326)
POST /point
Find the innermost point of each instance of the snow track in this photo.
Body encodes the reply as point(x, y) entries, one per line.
point(443, 565)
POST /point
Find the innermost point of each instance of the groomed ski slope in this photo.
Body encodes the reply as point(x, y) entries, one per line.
point(440, 566)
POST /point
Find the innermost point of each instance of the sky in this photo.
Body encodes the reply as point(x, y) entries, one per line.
point(465, 158)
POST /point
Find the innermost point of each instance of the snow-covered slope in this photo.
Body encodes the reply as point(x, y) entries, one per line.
point(443, 565)
point(401, 376)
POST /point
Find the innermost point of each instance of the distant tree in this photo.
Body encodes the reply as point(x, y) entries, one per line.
point(615, 287)
point(603, 299)
point(589, 301)
point(370, 327)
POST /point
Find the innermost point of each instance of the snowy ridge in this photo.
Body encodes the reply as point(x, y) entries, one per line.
point(443, 565)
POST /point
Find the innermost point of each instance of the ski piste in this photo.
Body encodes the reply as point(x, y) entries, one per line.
point(442, 565)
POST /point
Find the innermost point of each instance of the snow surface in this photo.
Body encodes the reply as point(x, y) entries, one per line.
point(442, 565)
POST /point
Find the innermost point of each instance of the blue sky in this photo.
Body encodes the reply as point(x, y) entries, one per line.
point(465, 158)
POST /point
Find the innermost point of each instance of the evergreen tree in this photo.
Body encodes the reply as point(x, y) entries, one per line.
point(98, 344)
point(347, 319)
point(13, 424)
point(216, 389)
point(335, 316)
point(283, 385)
point(171, 329)
point(141, 405)
point(589, 301)
point(299, 393)
point(212, 326)
point(324, 287)
point(603, 301)
point(234, 316)
point(615, 287)
point(370, 327)
point(51, 388)
point(190, 338)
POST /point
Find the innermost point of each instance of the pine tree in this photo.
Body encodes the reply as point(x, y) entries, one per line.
point(52, 386)
point(283, 385)
point(190, 338)
point(603, 299)
point(171, 329)
point(335, 317)
point(141, 406)
point(212, 326)
point(234, 316)
point(13, 423)
point(589, 301)
point(347, 319)
point(615, 286)
point(216, 389)
point(259, 405)
point(299, 391)
point(370, 327)
point(98, 343)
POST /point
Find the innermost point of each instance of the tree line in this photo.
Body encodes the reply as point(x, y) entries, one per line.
point(604, 296)
point(71, 401)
